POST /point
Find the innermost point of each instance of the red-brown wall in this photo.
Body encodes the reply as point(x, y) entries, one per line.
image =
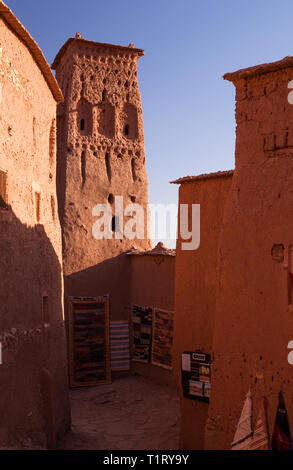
point(196, 282)
point(34, 403)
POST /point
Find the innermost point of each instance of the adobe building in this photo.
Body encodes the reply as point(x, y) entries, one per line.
point(34, 404)
point(195, 290)
point(101, 155)
point(152, 277)
point(236, 303)
point(254, 312)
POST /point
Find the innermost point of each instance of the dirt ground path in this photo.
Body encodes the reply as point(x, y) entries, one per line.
point(130, 414)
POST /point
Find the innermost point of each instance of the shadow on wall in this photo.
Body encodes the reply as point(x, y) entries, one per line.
point(111, 276)
point(34, 402)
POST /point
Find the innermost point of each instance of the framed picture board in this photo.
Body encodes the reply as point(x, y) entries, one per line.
point(89, 347)
point(142, 333)
point(162, 339)
point(196, 375)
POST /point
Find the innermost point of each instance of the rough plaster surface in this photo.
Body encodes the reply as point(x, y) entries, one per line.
point(32, 415)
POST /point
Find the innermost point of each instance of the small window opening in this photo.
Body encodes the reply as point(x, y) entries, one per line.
point(104, 95)
point(82, 124)
point(3, 189)
point(126, 129)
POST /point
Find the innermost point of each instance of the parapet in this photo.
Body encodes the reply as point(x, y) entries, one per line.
point(204, 176)
point(78, 39)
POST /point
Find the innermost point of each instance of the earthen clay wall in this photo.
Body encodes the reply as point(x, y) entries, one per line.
point(34, 404)
point(254, 321)
point(152, 284)
point(196, 282)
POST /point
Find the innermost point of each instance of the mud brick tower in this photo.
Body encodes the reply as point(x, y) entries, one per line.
point(100, 155)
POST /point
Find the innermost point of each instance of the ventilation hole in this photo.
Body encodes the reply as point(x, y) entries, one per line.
point(108, 166)
point(133, 169)
point(119, 155)
point(126, 129)
point(83, 173)
point(111, 198)
point(82, 124)
point(133, 199)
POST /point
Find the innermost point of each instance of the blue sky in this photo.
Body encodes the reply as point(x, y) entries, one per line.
point(188, 108)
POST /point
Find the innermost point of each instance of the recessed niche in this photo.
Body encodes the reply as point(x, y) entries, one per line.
point(130, 121)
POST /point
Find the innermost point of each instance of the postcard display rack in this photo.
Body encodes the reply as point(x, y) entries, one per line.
point(196, 375)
